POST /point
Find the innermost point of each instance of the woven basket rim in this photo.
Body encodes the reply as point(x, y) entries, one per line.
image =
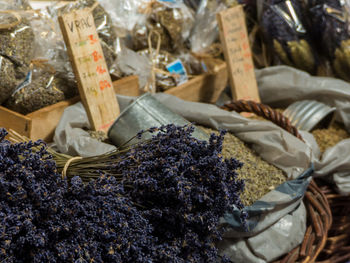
point(318, 209)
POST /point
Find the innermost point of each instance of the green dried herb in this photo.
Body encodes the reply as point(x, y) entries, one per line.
point(173, 21)
point(16, 52)
point(43, 90)
point(18, 42)
point(99, 135)
point(260, 177)
point(327, 138)
point(7, 79)
point(172, 24)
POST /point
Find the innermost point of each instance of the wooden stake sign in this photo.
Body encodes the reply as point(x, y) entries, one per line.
point(238, 55)
point(90, 68)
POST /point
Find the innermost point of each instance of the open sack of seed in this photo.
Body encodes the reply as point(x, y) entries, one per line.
point(281, 85)
point(276, 169)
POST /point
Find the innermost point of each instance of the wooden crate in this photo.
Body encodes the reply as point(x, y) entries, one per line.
point(42, 123)
point(206, 87)
point(202, 88)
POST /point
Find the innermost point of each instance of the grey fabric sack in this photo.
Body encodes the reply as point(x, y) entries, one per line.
point(280, 86)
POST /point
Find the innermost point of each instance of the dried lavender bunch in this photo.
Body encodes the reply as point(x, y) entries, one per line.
point(42, 219)
point(287, 34)
point(98, 224)
point(31, 192)
point(185, 186)
point(182, 185)
point(330, 26)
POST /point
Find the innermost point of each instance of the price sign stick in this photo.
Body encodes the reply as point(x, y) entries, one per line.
point(238, 55)
point(90, 68)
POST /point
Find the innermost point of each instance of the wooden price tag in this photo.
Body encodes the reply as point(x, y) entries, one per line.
point(90, 68)
point(238, 55)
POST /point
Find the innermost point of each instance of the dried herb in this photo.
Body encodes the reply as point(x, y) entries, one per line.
point(288, 36)
point(8, 80)
point(172, 23)
point(330, 25)
point(99, 135)
point(327, 138)
point(259, 176)
point(41, 90)
point(16, 52)
point(18, 42)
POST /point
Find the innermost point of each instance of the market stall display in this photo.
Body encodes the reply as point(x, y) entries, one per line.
point(191, 175)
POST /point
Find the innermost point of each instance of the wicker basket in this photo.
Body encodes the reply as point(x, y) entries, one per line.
point(337, 248)
point(318, 208)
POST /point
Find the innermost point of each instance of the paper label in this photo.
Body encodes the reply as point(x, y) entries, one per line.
point(178, 68)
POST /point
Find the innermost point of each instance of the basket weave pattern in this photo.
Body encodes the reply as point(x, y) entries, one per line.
point(317, 206)
point(337, 248)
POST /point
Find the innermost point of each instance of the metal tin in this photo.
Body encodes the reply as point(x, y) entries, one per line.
point(144, 113)
point(307, 115)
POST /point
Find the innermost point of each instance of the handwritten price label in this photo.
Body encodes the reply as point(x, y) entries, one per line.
point(92, 39)
point(235, 42)
point(90, 69)
point(104, 84)
point(101, 70)
point(97, 56)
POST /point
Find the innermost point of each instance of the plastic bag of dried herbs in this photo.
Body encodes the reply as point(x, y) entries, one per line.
point(40, 88)
point(17, 4)
point(205, 30)
point(50, 49)
point(330, 28)
point(8, 81)
point(125, 14)
point(172, 20)
point(16, 47)
point(163, 62)
point(273, 214)
point(103, 22)
point(280, 86)
point(16, 37)
point(140, 64)
point(285, 30)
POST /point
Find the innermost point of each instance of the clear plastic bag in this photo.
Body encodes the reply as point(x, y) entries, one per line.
point(205, 31)
point(16, 41)
point(285, 31)
point(125, 14)
point(50, 49)
point(330, 25)
point(15, 4)
point(16, 46)
point(40, 88)
point(7, 78)
point(194, 4)
point(173, 21)
point(161, 60)
point(104, 26)
point(130, 62)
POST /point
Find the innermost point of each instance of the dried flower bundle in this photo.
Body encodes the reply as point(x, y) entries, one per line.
point(162, 202)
